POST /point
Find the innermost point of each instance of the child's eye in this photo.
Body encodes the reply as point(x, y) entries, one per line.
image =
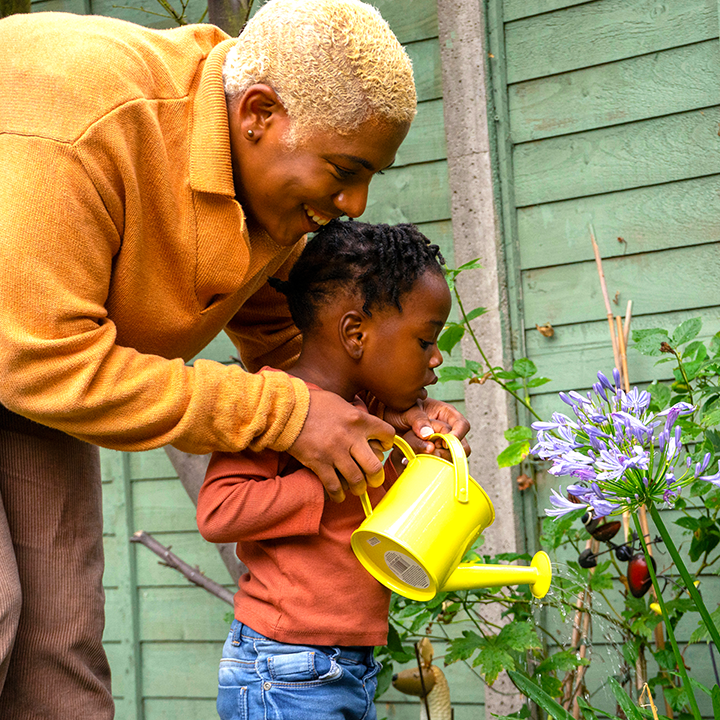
point(424, 344)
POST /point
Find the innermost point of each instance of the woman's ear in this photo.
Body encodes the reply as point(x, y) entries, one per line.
point(352, 331)
point(255, 111)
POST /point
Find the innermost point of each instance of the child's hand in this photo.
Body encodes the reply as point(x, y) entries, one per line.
point(427, 417)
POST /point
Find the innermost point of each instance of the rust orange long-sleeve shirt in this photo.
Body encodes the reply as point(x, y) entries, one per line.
point(304, 584)
point(123, 251)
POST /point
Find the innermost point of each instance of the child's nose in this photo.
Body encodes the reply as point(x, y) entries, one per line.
point(436, 359)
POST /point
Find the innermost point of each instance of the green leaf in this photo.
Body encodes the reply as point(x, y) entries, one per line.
point(629, 708)
point(524, 368)
point(660, 395)
point(689, 523)
point(564, 661)
point(519, 432)
point(519, 636)
point(715, 695)
point(506, 374)
point(528, 688)
point(711, 418)
point(450, 337)
point(586, 710)
point(647, 342)
point(452, 372)
point(538, 381)
point(514, 454)
point(471, 265)
point(461, 648)
point(477, 312)
point(686, 331)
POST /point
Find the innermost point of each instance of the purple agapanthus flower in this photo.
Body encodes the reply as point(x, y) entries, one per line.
point(620, 453)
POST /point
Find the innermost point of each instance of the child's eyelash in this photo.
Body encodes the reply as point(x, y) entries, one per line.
point(424, 344)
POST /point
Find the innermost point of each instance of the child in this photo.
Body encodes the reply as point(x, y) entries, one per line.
point(371, 301)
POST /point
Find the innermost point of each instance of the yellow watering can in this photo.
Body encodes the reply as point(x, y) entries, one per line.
point(414, 539)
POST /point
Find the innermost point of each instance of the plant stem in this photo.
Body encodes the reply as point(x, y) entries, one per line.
point(666, 618)
point(466, 323)
point(689, 582)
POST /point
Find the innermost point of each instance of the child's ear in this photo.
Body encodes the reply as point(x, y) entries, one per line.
point(352, 331)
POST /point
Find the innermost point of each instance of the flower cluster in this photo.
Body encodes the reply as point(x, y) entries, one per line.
point(622, 455)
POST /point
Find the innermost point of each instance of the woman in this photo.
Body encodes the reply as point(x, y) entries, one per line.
point(150, 183)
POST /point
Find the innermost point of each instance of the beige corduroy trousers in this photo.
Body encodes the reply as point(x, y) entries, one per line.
point(52, 663)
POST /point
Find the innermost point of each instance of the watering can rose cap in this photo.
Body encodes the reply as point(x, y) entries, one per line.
point(414, 539)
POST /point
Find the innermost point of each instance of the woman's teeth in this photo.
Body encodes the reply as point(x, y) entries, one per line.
point(319, 219)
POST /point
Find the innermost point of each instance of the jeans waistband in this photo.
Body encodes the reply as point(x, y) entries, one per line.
point(351, 653)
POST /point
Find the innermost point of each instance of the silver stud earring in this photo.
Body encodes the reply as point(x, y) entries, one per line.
point(251, 133)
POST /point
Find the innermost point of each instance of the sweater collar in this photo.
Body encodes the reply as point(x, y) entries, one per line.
point(210, 158)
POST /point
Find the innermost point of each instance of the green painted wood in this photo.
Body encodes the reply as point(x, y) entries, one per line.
point(651, 218)
point(151, 464)
point(410, 20)
point(662, 83)
point(515, 9)
point(602, 32)
point(571, 293)
point(427, 69)
point(145, 12)
point(196, 616)
point(71, 6)
point(410, 194)
point(173, 709)
point(163, 506)
point(426, 140)
point(181, 670)
point(191, 548)
point(574, 355)
point(649, 152)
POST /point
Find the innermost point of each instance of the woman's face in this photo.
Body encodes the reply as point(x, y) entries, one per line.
point(290, 191)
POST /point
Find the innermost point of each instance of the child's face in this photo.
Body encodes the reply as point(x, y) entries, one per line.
point(401, 350)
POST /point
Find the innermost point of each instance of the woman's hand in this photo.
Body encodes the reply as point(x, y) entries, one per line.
point(427, 417)
point(341, 442)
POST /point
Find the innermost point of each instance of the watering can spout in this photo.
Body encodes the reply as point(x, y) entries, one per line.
point(471, 577)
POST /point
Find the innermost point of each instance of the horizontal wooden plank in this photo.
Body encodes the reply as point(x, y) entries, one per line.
point(652, 218)
point(181, 614)
point(660, 150)
point(662, 83)
point(118, 625)
point(150, 465)
point(114, 569)
point(190, 547)
point(602, 32)
point(180, 670)
point(135, 11)
point(427, 68)
point(575, 354)
point(515, 9)
point(174, 708)
point(571, 294)
point(417, 194)
point(70, 6)
point(162, 506)
point(118, 657)
point(426, 140)
point(410, 20)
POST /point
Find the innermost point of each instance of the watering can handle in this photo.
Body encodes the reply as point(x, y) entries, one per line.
point(459, 461)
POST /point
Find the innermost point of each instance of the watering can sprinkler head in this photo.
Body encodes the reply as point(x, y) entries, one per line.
point(414, 539)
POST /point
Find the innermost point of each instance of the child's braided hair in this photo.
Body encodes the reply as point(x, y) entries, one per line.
point(380, 262)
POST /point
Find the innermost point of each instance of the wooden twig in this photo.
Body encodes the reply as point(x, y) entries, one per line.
point(606, 298)
point(626, 326)
point(623, 353)
point(193, 574)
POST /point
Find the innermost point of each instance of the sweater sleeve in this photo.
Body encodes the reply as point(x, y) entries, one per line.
point(263, 330)
point(59, 361)
point(244, 499)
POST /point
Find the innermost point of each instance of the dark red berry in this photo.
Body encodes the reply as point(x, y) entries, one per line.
point(638, 575)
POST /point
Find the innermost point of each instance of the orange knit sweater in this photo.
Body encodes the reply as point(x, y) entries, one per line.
point(123, 251)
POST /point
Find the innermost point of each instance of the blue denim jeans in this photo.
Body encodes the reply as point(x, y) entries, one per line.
point(261, 679)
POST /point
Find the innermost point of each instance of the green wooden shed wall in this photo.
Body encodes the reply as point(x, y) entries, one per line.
point(607, 113)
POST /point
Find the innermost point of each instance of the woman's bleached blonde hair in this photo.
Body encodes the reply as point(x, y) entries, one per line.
point(334, 64)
